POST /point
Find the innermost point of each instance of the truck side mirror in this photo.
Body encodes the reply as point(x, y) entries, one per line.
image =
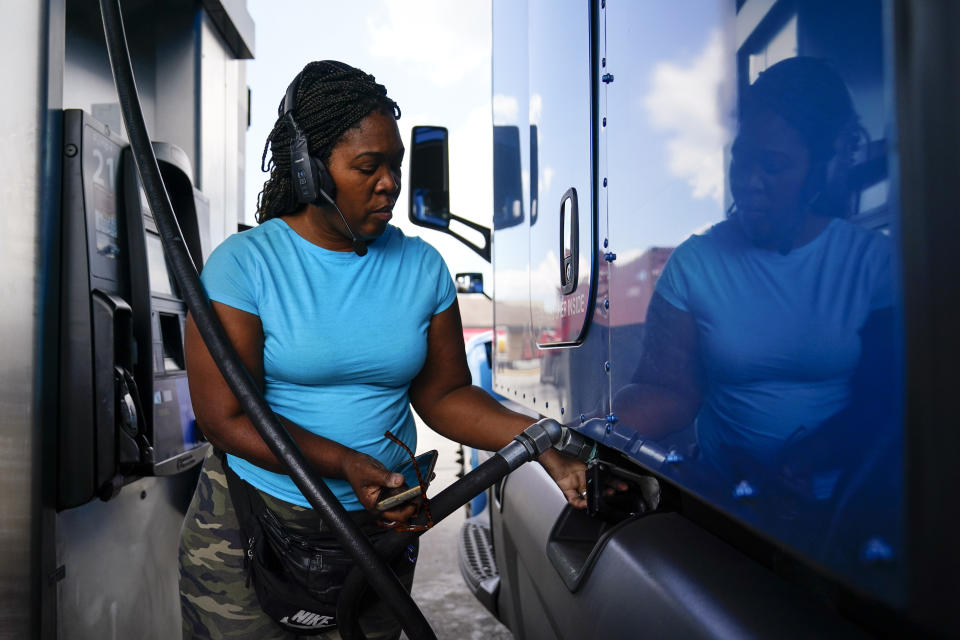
point(429, 178)
point(469, 282)
point(430, 190)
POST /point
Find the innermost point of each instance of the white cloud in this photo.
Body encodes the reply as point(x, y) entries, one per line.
point(536, 108)
point(540, 283)
point(434, 36)
point(547, 182)
point(686, 102)
point(505, 109)
point(545, 280)
point(471, 166)
point(513, 284)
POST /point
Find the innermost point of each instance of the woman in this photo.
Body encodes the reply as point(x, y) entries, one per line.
point(344, 322)
point(773, 329)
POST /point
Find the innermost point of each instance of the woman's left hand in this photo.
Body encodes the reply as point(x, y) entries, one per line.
point(569, 474)
point(368, 477)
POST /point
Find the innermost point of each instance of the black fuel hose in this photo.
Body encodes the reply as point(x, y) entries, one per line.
point(374, 569)
point(526, 446)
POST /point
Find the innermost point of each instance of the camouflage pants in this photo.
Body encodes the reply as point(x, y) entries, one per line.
point(216, 599)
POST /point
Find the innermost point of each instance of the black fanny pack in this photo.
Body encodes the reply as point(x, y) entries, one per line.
point(297, 577)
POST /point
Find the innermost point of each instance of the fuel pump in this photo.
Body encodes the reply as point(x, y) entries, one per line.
point(124, 402)
point(159, 313)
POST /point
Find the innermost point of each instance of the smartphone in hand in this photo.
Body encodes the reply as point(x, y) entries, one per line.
point(410, 489)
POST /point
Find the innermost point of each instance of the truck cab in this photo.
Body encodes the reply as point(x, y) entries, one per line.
point(631, 161)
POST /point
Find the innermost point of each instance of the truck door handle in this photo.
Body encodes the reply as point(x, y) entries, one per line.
point(569, 242)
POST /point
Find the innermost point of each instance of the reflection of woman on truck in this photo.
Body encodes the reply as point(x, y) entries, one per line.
point(770, 328)
point(340, 343)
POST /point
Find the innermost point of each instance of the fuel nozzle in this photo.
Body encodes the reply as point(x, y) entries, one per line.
point(576, 445)
point(531, 442)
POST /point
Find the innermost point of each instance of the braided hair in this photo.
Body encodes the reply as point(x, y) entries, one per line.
point(331, 98)
point(811, 96)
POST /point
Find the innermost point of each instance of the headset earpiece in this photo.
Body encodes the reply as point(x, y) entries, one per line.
point(302, 173)
point(837, 196)
point(323, 180)
point(307, 173)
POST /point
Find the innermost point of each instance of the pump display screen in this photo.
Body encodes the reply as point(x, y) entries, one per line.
point(175, 426)
point(106, 226)
point(157, 265)
point(101, 161)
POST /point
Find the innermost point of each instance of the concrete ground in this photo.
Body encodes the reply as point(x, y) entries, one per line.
point(438, 588)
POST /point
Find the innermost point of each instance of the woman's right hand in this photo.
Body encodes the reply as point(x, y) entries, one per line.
point(367, 476)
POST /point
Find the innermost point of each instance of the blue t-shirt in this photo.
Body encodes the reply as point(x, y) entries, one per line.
point(779, 334)
point(343, 336)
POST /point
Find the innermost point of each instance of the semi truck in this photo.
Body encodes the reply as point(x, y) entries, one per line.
point(616, 126)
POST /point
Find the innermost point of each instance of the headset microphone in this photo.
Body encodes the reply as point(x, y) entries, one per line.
point(359, 246)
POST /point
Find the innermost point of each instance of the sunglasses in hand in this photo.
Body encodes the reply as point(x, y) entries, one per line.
point(417, 472)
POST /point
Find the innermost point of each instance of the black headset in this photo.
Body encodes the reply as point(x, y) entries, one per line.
point(311, 181)
point(310, 178)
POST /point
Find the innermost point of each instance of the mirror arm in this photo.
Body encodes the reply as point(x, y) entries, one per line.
point(484, 251)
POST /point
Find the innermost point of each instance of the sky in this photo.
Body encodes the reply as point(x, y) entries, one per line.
point(433, 57)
